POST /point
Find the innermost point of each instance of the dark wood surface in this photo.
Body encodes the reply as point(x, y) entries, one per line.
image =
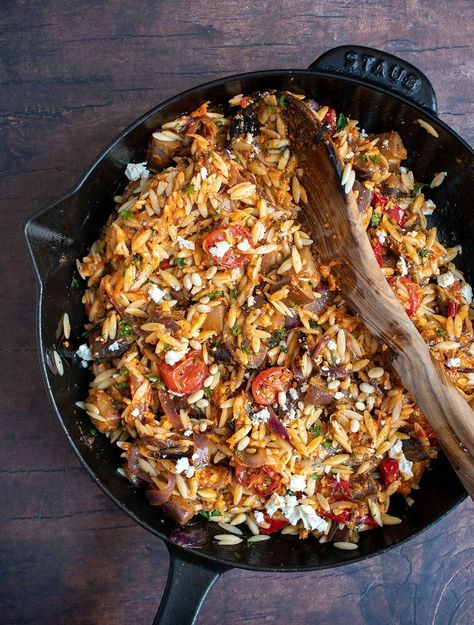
point(72, 75)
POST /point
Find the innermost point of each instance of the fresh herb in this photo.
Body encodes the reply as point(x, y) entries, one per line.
point(375, 158)
point(166, 347)
point(236, 330)
point(156, 381)
point(74, 283)
point(313, 324)
point(269, 110)
point(341, 122)
point(152, 378)
point(316, 476)
point(93, 431)
point(233, 293)
point(215, 295)
point(123, 372)
point(417, 187)
point(440, 332)
point(125, 328)
point(208, 392)
point(244, 347)
point(283, 348)
point(292, 303)
point(210, 514)
point(136, 258)
point(125, 214)
point(423, 252)
point(327, 444)
point(375, 220)
point(290, 492)
point(281, 102)
point(122, 386)
point(178, 262)
point(189, 188)
point(276, 336)
point(316, 430)
point(116, 404)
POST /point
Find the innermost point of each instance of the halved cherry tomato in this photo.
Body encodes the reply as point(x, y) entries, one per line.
point(429, 433)
point(379, 199)
point(263, 481)
point(186, 376)
point(244, 102)
point(275, 525)
point(366, 519)
point(342, 517)
point(409, 296)
point(267, 383)
point(232, 235)
point(379, 251)
point(330, 118)
point(453, 309)
point(389, 471)
point(165, 264)
point(339, 490)
point(397, 214)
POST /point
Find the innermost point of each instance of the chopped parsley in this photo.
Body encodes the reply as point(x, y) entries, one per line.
point(236, 330)
point(283, 348)
point(93, 431)
point(125, 214)
point(375, 220)
point(166, 347)
point(137, 259)
point(375, 158)
point(276, 336)
point(327, 443)
point(341, 122)
point(178, 262)
point(210, 514)
point(233, 293)
point(122, 386)
point(156, 381)
point(270, 110)
point(189, 188)
point(440, 332)
point(290, 492)
point(313, 324)
point(316, 430)
point(417, 187)
point(125, 328)
point(424, 252)
point(244, 347)
point(316, 476)
point(281, 102)
point(208, 392)
point(215, 295)
point(74, 283)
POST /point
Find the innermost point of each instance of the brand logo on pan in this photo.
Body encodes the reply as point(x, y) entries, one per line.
point(381, 69)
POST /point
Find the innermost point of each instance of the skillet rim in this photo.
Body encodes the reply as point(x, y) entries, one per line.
point(187, 552)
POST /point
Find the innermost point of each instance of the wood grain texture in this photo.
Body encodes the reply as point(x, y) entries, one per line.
point(72, 75)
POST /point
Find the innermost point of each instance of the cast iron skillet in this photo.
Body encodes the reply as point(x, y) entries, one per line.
point(383, 92)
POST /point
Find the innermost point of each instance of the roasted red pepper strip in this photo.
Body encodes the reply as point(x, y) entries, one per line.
point(379, 251)
point(379, 199)
point(453, 309)
point(342, 517)
point(275, 525)
point(389, 471)
point(368, 520)
point(397, 214)
point(339, 490)
point(330, 118)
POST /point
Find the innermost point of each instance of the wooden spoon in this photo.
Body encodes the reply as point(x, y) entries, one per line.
point(340, 238)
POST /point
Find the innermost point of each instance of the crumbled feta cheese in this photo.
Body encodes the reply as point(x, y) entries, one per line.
point(293, 393)
point(84, 352)
point(338, 395)
point(259, 516)
point(429, 207)
point(453, 363)
point(84, 364)
point(466, 292)
point(274, 503)
point(403, 170)
point(172, 357)
point(114, 346)
point(292, 414)
point(244, 245)
point(249, 137)
point(332, 345)
point(395, 449)
point(363, 134)
point(203, 173)
point(470, 378)
point(187, 432)
point(311, 520)
point(297, 483)
point(156, 294)
point(135, 412)
point(250, 300)
point(402, 266)
point(446, 279)
point(135, 171)
point(261, 416)
point(220, 249)
point(405, 466)
point(294, 512)
point(183, 466)
point(184, 244)
point(381, 236)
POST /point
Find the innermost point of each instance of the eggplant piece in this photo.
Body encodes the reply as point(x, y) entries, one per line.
point(160, 153)
point(336, 535)
point(362, 486)
point(245, 121)
point(179, 509)
point(105, 404)
point(394, 186)
point(414, 450)
point(221, 353)
point(364, 197)
point(107, 349)
point(320, 303)
point(215, 319)
point(390, 144)
point(167, 320)
point(364, 167)
point(318, 395)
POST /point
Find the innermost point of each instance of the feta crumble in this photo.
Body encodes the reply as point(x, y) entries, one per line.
point(294, 512)
point(250, 301)
point(466, 292)
point(332, 345)
point(187, 432)
point(446, 279)
point(261, 416)
point(259, 516)
point(244, 245)
point(135, 171)
point(453, 363)
point(220, 249)
point(402, 266)
point(338, 395)
point(293, 393)
point(203, 173)
point(135, 412)
point(184, 244)
point(297, 483)
point(84, 352)
point(404, 465)
point(183, 466)
point(172, 357)
point(114, 346)
point(156, 294)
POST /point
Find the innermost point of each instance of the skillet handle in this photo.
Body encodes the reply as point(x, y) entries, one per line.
point(380, 69)
point(189, 581)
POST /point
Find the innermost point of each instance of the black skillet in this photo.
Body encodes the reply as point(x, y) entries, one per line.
point(381, 91)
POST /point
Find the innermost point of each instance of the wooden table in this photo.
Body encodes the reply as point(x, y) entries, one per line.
point(73, 75)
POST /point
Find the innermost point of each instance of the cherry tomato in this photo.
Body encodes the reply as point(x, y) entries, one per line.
point(165, 264)
point(397, 214)
point(409, 296)
point(330, 118)
point(366, 519)
point(379, 251)
point(342, 517)
point(339, 490)
point(275, 525)
point(244, 102)
point(267, 383)
point(263, 481)
point(429, 433)
point(200, 112)
point(232, 235)
point(379, 199)
point(186, 376)
point(389, 471)
point(453, 308)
